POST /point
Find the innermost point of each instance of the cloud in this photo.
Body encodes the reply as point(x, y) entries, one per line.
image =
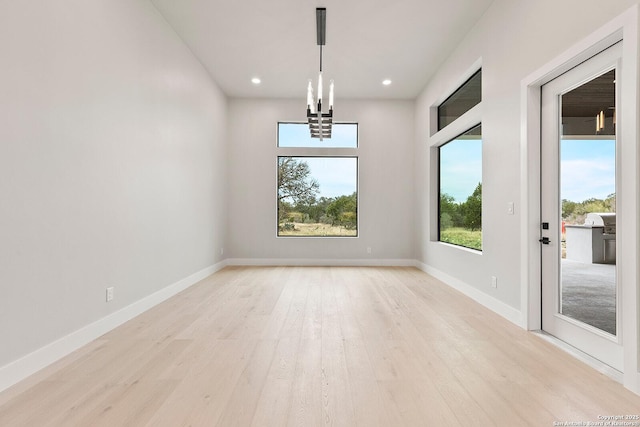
point(582, 179)
point(460, 168)
point(337, 176)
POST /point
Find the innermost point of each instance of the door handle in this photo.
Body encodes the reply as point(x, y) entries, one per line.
point(544, 240)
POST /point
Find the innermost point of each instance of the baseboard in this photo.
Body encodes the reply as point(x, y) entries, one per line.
point(511, 314)
point(28, 365)
point(582, 356)
point(329, 262)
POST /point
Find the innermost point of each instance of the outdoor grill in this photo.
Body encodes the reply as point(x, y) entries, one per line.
point(608, 223)
point(594, 241)
point(605, 220)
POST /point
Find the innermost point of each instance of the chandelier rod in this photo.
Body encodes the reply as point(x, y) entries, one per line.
point(320, 123)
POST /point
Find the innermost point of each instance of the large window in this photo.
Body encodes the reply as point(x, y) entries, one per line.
point(460, 192)
point(317, 193)
point(462, 100)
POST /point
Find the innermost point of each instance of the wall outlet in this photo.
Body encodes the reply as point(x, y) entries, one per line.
point(221, 251)
point(368, 249)
point(494, 282)
point(109, 293)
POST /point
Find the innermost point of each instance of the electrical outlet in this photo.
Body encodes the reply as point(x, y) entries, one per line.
point(109, 293)
point(494, 282)
point(221, 251)
point(369, 249)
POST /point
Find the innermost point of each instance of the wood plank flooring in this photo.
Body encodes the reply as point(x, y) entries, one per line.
point(316, 346)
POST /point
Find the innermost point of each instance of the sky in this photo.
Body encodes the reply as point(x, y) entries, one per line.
point(337, 176)
point(460, 168)
point(587, 166)
point(588, 169)
point(343, 135)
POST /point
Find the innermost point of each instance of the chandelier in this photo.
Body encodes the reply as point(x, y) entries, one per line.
point(320, 123)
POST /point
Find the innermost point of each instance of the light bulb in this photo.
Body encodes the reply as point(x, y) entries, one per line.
point(331, 95)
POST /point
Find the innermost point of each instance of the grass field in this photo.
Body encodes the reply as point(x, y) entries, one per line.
point(317, 229)
point(463, 237)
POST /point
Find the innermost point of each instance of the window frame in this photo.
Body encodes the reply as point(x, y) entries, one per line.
point(436, 138)
point(317, 152)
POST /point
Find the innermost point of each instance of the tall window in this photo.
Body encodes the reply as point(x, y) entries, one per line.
point(317, 189)
point(460, 193)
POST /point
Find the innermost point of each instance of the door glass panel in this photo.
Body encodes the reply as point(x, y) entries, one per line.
point(588, 203)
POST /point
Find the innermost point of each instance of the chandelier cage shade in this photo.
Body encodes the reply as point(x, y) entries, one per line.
point(320, 123)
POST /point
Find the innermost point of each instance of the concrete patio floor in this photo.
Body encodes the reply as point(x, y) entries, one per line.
point(589, 293)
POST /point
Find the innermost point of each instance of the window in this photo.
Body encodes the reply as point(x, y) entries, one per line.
point(462, 100)
point(460, 190)
point(317, 193)
point(344, 135)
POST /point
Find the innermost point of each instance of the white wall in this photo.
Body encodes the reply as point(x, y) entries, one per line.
point(112, 164)
point(385, 184)
point(512, 40)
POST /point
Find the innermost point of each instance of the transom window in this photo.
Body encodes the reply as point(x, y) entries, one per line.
point(462, 100)
point(296, 135)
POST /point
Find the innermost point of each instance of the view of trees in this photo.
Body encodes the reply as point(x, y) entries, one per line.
point(295, 185)
point(575, 212)
point(466, 215)
point(461, 223)
point(298, 202)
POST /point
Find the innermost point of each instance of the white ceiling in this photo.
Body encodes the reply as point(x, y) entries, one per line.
point(367, 41)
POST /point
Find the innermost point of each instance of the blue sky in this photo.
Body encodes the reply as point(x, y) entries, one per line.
point(588, 169)
point(588, 166)
point(460, 168)
point(343, 135)
point(337, 176)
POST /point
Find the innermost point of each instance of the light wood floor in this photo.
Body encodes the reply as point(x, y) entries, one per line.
point(309, 346)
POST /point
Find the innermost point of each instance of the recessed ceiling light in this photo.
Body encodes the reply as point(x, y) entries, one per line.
point(255, 81)
point(386, 82)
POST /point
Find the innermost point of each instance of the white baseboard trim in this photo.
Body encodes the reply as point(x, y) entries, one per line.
point(28, 365)
point(582, 356)
point(312, 262)
point(511, 314)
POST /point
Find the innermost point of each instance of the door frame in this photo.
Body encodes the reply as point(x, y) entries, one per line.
point(624, 27)
point(593, 341)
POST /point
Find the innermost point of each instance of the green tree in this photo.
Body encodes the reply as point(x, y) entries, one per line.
point(472, 209)
point(576, 212)
point(342, 210)
point(568, 208)
point(295, 185)
point(316, 209)
point(610, 202)
point(593, 205)
point(450, 215)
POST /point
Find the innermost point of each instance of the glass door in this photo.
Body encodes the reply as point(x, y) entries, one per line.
point(578, 208)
